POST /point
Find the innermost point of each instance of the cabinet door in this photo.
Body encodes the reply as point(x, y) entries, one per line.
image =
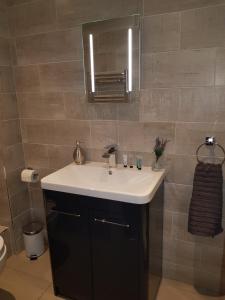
point(70, 254)
point(115, 259)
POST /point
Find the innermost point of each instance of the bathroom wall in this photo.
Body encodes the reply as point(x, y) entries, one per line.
point(5, 61)
point(182, 98)
point(14, 198)
point(183, 84)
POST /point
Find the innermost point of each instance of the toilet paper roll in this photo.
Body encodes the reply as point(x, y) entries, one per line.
point(28, 175)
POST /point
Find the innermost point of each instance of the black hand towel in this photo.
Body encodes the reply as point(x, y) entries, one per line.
point(205, 212)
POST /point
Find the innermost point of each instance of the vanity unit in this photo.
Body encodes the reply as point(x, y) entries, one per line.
point(105, 232)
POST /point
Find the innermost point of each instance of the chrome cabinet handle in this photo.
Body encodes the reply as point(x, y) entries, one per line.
point(66, 214)
point(111, 223)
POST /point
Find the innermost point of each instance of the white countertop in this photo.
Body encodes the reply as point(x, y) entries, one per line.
point(92, 179)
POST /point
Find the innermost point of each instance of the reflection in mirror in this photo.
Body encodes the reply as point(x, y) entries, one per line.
point(111, 59)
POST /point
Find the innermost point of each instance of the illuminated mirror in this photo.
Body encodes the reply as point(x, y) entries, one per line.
point(112, 59)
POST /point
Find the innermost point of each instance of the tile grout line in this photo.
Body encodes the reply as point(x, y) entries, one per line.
point(185, 10)
point(44, 291)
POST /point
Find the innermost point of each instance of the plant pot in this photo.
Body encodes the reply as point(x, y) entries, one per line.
point(157, 164)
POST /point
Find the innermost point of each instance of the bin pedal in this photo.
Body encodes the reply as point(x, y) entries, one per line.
point(33, 257)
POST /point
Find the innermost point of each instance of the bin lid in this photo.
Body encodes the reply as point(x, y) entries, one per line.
point(32, 228)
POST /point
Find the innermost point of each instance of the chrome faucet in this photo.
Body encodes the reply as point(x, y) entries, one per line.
point(110, 154)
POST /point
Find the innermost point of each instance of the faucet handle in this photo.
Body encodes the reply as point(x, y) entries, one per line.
point(111, 148)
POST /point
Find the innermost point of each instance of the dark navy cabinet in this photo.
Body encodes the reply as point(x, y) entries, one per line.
point(102, 249)
point(69, 243)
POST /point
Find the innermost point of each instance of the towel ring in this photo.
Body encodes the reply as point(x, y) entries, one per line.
point(210, 144)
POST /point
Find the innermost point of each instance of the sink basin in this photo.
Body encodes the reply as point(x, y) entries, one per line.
point(93, 179)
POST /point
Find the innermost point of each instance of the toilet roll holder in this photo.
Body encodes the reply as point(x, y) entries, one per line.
point(34, 178)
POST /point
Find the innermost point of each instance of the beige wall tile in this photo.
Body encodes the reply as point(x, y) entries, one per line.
point(37, 131)
point(4, 24)
point(96, 155)
point(8, 104)
point(182, 169)
point(27, 79)
point(11, 151)
point(14, 183)
point(36, 156)
point(179, 252)
point(19, 222)
point(190, 135)
point(5, 59)
point(13, 157)
point(141, 136)
point(12, 45)
point(128, 111)
point(211, 258)
point(70, 13)
point(64, 76)
point(176, 271)
point(38, 214)
point(11, 132)
point(161, 33)
point(103, 133)
point(217, 241)
point(163, 6)
point(183, 68)
point(3, 4)
point(203, 28)
point(35, 17)
point(220, 67)
point(18, 244)
point(197, 105)
point(220, 101)
point(159, 105)
point(180, 226)
point(177, 197)
point(76, 105)
point(167, 223)
point(17, 2)
point(60, 156)
point(37, 199)
point(132, 137)
point(5, 213)
point(212, 281)
point(48, 47)
point(219, 133)
point(19, 203)
point(41, 105)
point(66, 132)
point(102, 111)
point(6, 80)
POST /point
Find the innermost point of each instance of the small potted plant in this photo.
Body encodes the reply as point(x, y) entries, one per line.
point(160, 145)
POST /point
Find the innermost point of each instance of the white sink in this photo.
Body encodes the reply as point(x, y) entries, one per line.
point(92, 179)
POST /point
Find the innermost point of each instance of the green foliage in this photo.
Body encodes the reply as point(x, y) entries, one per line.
point(160, 145)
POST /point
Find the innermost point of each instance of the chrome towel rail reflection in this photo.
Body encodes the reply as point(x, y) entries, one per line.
point(110, 87)
point(102, 78)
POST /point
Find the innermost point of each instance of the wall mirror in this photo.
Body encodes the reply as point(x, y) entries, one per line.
point(112, 59)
